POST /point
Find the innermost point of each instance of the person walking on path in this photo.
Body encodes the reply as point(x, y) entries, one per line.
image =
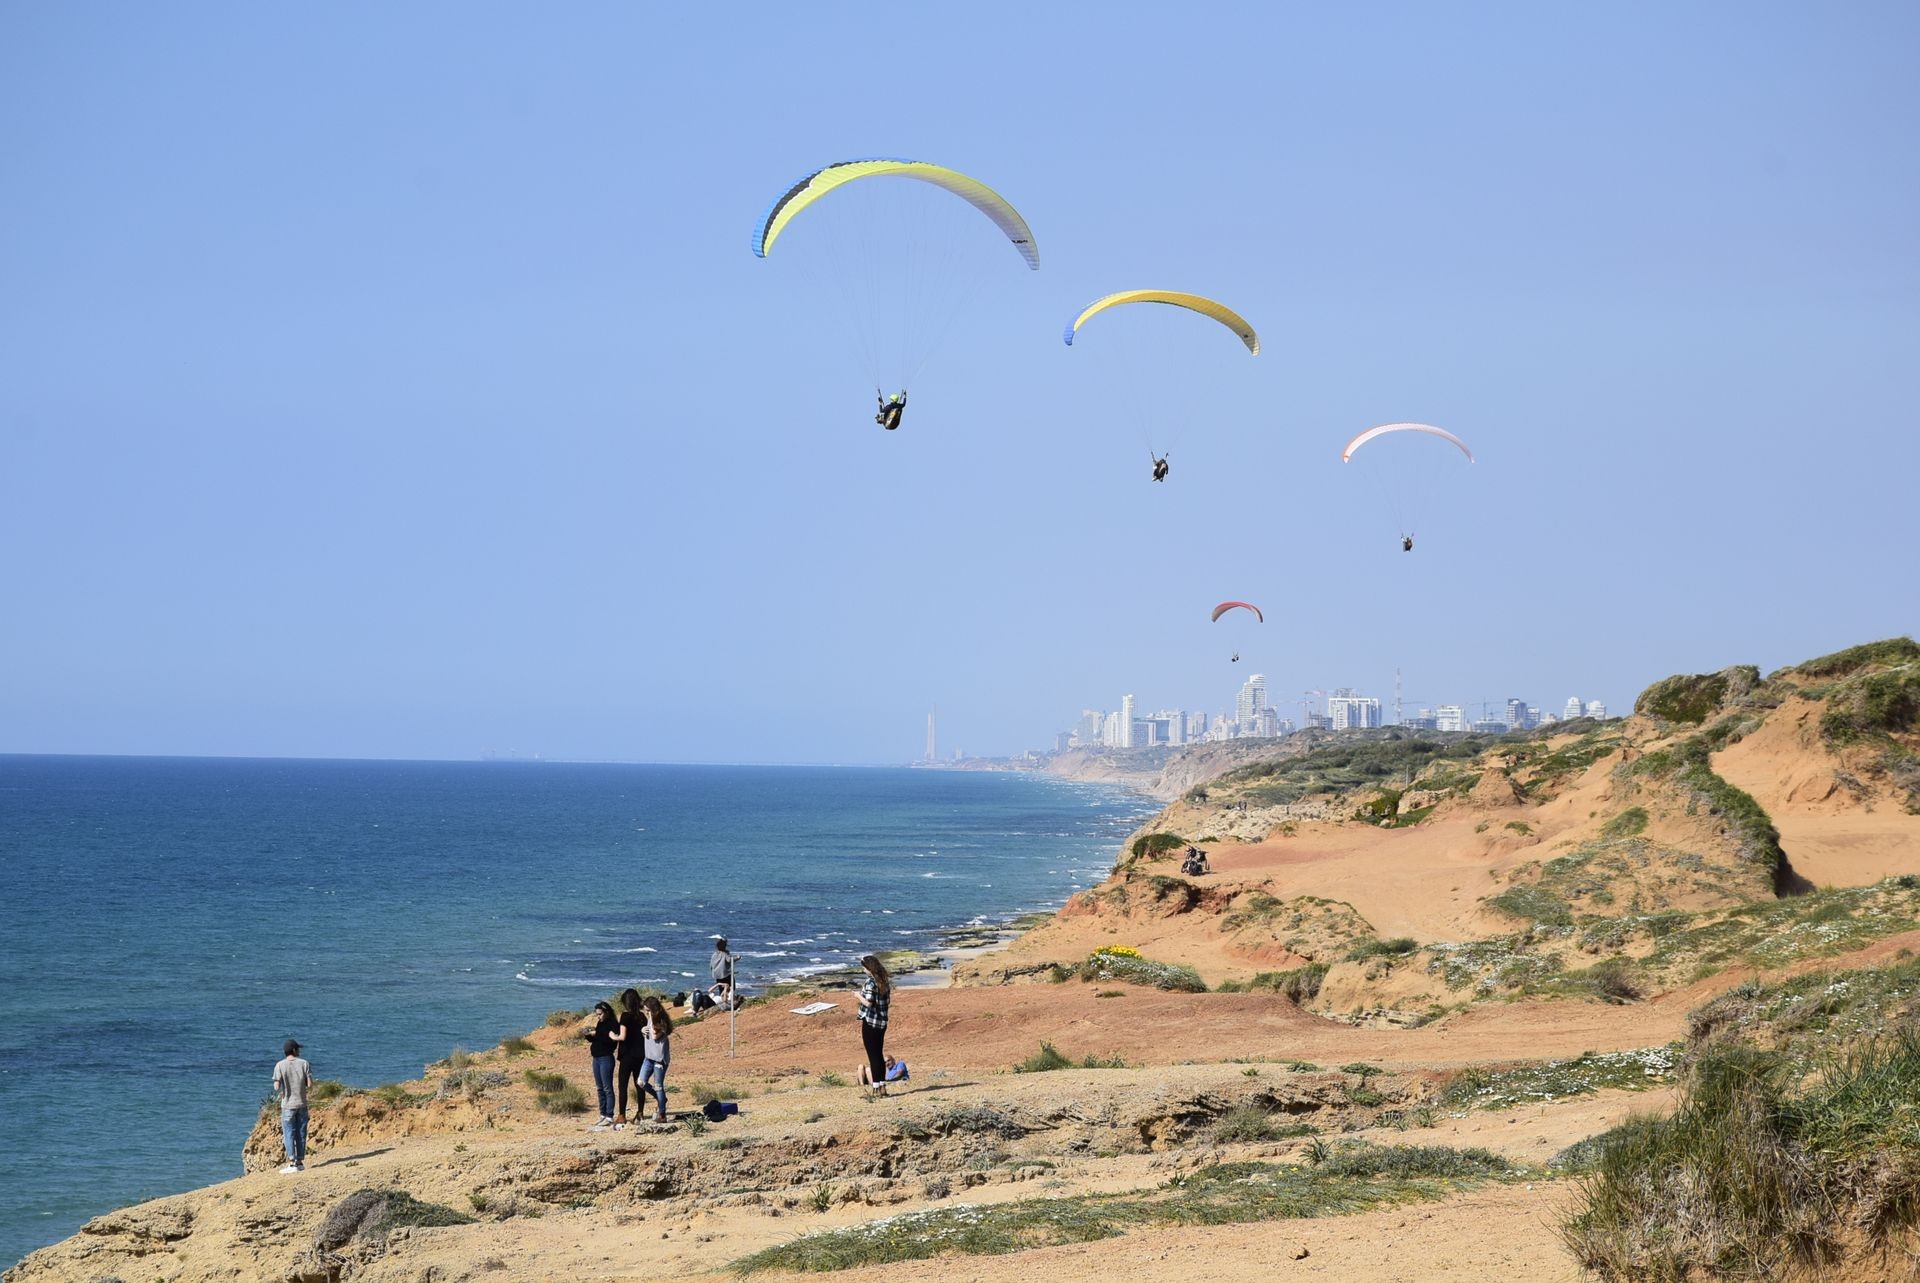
point(626, 1041)
point(720, 967)
point(875, 996)
point(600, 1044)
point(292, 1080)
point(654, 1042)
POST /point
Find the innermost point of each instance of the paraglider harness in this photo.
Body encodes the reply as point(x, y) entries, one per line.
point(1406, 543)
point(890, 409)
point(1160, 467)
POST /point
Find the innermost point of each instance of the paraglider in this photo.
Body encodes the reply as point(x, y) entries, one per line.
point(898, 263)
point(1135, 366)
point(1226, 606)
point(890, 409)
point(1397, 478)
point(893, 262)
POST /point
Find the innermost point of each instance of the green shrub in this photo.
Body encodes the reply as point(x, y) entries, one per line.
point(1691, 698)
point(1047, 1058)
point(1149, 845)
point(1382, 808)
point(564, 1099)
point(1396, 947)
point(516, 1046)
point(1630, 823)
point(1756, 1169)
point(1254, 1124)
point(1302, 983)
point(1533, 904)
point(325, 1092)
point(1874, 706)
point(1843, 663)
point(543, 1080)
point(1130, 967)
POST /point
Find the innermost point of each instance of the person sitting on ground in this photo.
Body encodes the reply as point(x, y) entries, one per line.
point(1196, 864)
point(896, 1072)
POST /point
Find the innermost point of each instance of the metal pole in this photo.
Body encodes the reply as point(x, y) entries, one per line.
point(733, 1011)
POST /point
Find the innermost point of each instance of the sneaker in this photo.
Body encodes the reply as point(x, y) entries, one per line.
point(289, 1169)
point(601, 1126)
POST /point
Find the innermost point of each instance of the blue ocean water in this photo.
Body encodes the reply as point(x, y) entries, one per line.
point(165, 922)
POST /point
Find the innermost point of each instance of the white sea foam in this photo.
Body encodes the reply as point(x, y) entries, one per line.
point(645, 948)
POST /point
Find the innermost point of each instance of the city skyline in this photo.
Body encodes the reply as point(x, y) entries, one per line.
point(1253, 715)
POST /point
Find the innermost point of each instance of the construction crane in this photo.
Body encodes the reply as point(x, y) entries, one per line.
point(1306, 706)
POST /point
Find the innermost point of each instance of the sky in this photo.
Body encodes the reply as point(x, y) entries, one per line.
point(397, 381)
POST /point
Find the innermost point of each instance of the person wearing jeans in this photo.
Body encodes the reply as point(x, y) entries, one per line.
point(601, 1036)
point(292, 1080)
point(655, 1043)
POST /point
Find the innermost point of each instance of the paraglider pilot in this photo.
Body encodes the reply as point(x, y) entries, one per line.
point(1406, 543)
point(891, 408)
point(1160, 467)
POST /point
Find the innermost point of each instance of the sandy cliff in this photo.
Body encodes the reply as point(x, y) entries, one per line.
point(1398, 930)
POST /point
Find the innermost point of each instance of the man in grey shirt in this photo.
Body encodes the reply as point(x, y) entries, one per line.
point(292, 1079)
point(720, 967)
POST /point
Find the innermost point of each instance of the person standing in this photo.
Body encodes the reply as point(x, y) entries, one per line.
point(654, 1042)
point(627, 1043)
point(720, 967)
point(292, 1080)
point(875, 997)
point(600, 1044)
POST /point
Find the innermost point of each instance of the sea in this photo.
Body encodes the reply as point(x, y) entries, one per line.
point(166, 923)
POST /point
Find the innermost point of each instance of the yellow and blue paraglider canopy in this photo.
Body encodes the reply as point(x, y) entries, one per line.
point(814, 186)
point(1173, 298)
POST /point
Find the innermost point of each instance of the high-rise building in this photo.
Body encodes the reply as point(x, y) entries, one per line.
point(1422, 720)
point(1196, 726)
point(1516, 716)
point(1126, 721)
point(1110, 731)
point(1348, 711)
point(1490, 725)
point(1596, 709)
point(1253, 698)
point(1092, 722)
point(1574, 708)
point(1450, 717)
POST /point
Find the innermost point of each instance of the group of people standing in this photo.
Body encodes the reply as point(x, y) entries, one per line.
point(632, 1048)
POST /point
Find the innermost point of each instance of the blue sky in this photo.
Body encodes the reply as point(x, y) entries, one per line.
point(396, 380)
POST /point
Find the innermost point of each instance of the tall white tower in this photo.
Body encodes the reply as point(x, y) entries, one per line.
point(930, 750)
point(1126, 721)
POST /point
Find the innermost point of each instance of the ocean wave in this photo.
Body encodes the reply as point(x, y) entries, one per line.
point(645, 948)
point(781, 943)
point(777, 953)
point(568, 982)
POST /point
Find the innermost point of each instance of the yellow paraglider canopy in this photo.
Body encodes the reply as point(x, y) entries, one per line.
point(788, 205)
point(1192, 302)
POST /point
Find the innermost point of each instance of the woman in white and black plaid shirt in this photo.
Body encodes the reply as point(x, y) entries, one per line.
point(875, 996)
